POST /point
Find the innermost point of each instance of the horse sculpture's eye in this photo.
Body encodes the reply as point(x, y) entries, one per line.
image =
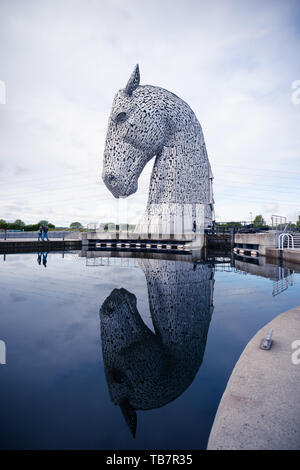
point(121, 117)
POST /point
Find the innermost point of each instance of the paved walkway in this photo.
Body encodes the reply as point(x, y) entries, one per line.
point(260, 408)
point(30, 240)
point(21, 240)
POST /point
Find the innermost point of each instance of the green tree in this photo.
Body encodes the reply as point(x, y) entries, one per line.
point(31, 227)
point(298, 221)
point(259, 221)
point(45, 222)
point(3, 224)
point(229, 224)
point(19, 223)
point(76, 225)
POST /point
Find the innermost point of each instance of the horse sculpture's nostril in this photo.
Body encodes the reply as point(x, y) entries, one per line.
point(111, 179)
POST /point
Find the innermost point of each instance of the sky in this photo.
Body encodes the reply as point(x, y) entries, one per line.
point(235, 62)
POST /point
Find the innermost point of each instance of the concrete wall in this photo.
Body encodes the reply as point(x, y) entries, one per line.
point(264, 240)
point(289, 255)
point(199, 238)
point(172, 219)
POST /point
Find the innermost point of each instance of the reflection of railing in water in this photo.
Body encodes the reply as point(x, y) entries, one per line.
point(224, 264)
point(106, 261)
point(239, 271)
point(284, 281)
point(220, 264)
point(222, 267)
point(285, 276)
point(227, 267)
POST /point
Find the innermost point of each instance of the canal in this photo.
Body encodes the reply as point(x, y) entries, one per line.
point(125, 353)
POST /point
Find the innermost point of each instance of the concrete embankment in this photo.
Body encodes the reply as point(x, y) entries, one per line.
point(267, 244)
point(260, 408)
point(27, 246)
point(288, 254)
point(256, 241)
point(27, 242)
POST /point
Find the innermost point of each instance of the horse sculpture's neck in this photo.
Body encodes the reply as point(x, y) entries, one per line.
point(181, 170)
point(181, 179)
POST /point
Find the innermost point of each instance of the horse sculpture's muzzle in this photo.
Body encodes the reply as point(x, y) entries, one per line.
point(111, 183)
point(118, 185)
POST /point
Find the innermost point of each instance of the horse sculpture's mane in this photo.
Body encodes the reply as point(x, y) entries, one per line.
point(148, 121)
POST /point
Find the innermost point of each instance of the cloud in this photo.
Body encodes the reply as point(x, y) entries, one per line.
point(233, 62)
point(20, 170)
point(271, 208)
point(15, 297)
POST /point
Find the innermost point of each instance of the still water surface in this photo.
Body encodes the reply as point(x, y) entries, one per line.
point(124, 354)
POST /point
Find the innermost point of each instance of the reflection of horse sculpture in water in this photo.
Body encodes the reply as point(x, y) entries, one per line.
point(148, 121)
point(146, 370)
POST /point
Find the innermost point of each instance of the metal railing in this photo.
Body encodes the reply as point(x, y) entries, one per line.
point(278, 222)
point(59, 234)
point(155, 231)
point(281, 240)
point(110, 228)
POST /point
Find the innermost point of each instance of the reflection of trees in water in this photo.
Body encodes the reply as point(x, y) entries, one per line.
point(146, 370)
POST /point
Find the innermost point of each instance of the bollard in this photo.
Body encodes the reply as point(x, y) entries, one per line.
point(267, 341)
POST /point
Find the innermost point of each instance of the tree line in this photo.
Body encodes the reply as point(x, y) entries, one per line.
point(20, 225)
point(258, 222)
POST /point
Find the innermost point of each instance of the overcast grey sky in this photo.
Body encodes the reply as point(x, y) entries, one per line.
point(62, 61)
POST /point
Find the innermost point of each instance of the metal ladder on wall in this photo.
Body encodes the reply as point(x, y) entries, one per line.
point(286, 236)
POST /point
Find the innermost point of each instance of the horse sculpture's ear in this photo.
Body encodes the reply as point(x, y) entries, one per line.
point(133, 82)
point(129, 414)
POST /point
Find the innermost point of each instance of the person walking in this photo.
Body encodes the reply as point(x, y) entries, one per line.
point(45, 232)
point(40, 233)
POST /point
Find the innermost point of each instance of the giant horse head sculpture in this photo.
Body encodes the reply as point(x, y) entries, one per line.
point(148, 121)
point(137, 131)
